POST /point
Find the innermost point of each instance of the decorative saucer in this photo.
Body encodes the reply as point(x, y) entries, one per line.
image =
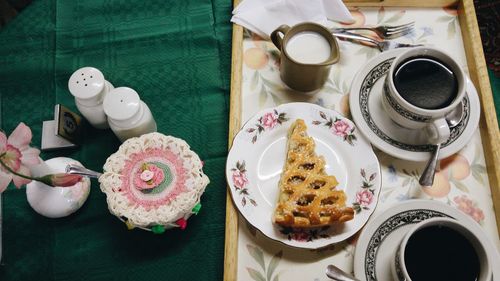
point(381, 236)
point(367, 111)
point(256, 160)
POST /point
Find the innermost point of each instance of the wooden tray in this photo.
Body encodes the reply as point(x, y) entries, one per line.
point(478, 73)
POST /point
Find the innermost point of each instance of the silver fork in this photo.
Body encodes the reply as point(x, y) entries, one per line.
point(381, 45)
point(383, 31)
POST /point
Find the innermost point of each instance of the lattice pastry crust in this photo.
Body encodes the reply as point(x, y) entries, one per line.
point(308, 196)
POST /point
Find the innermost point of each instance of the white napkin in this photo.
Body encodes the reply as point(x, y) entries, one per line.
point(264, 16)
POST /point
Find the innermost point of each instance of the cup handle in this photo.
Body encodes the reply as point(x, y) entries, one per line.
point(278, 34)
point(438, 131)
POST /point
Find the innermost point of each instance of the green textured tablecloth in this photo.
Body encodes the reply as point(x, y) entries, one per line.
point(495, 88)
point(176, 55)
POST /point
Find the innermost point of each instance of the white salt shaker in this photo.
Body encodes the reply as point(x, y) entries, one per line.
point(128, 116)
point(89, 88)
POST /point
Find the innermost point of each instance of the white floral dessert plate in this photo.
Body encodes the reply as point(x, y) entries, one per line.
point(382, 234)
point(256, 160)
point(365, 100)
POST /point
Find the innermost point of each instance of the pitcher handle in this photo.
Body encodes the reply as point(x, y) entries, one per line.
point(278, 34)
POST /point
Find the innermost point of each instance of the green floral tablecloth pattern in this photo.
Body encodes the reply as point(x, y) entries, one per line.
point(461, 183)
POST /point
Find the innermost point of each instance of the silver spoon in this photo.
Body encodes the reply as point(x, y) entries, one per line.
point(453, 119)
point(79, 170)
point(338, 274)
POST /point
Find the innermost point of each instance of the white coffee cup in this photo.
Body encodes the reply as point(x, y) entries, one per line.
point(399, 267)
point(411, 116)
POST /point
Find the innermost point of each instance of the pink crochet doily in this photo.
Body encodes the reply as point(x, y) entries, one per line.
point(153, 180)
point(172, 184)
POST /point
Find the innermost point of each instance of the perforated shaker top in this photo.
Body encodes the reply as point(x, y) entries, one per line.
point(86, 83)
point(121, 103)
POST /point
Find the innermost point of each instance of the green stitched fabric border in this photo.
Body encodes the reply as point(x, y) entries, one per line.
point(176, 55)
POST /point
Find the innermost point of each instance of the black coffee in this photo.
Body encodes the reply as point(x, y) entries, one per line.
point(441, 253)
point(426, 83)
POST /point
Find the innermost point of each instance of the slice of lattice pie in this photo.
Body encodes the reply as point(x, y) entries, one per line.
point(308, 196)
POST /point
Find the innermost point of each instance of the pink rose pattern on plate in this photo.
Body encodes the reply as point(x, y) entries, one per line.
point(469, 207)
point(267, 122)
point(240, 182)
point(339, 126)
point(365, 196)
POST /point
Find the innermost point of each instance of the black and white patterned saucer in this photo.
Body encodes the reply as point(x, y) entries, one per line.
point(383, 233)
point(367, 112)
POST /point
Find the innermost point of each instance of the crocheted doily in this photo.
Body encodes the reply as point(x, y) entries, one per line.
point(153, 180)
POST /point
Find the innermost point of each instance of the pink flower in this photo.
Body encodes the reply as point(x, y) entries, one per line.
point(477, 214)
point(364, 197)
point(147, 175)
point(341, 128)
point(150, 176)
point(269, 120)
point(239, 179)
point(466, 205)
point(17, 155)
point(61, 180)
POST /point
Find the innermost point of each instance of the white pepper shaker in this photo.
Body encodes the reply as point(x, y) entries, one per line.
point(128, 116)
point(89, 88)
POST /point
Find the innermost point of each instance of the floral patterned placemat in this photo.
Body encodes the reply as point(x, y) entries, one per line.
point(462, 181)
